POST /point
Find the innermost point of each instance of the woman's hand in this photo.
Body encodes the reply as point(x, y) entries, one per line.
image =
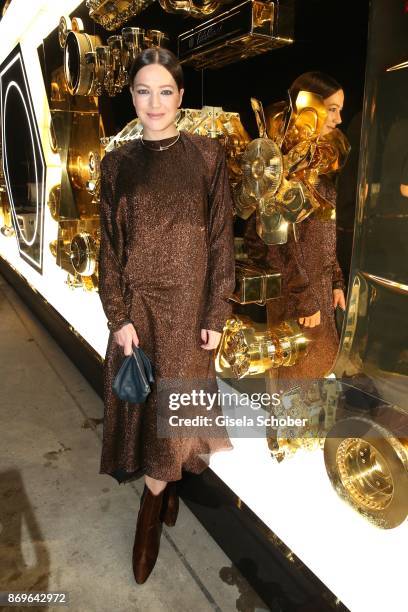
point(126, 336)
point(311, 321)
point(210, 338)
point(339, 299)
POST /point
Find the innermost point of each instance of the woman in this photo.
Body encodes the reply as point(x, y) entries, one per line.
point(166, 271)
point(313, 284)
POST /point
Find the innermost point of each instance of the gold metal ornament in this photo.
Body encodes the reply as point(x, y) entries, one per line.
point(255, 284)
point(156, 38)
point(248, 349)
point(83, 253)
point(79, 74)
point(133, 43)
point(76, 251)
point(247, 29)
point(191, 8)
point(368, 466)
point(112, 14)
point(271, 226)
point(6, 223)
point(64, 27)
point(262, 168)
point(91, 68)
point(294, 129)
point(54, 200)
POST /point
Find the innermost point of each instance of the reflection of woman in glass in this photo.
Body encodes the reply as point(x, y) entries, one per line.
point(166, 272)
point(312, 280)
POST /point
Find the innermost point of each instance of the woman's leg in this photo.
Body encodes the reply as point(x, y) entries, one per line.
point(148, 529)
point(155, 486)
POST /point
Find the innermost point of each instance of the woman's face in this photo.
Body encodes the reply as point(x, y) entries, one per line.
point(334, 106)
point(156, 98)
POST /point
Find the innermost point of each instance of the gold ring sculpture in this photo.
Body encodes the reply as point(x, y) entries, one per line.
point(368, 466)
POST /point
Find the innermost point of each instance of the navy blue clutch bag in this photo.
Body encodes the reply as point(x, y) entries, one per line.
point(133, 380)
point(339, 314)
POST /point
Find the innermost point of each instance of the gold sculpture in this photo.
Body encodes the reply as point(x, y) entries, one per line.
point(92, 68)
point(255, 285)
point(112, 14)
point(76, 131)
point(367, 464)
point(6, 223)
point(248, 349)
point(191, 8)
point(280, 169)
point(247, 29)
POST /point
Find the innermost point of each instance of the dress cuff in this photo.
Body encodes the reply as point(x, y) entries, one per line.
point(214, 325)
point(339, 284)
point(117, 325)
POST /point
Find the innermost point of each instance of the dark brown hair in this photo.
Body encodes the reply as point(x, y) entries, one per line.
point(157, 55)
point(315, 82)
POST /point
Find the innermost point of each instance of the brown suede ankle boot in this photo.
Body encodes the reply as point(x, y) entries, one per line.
point(170, 505)
point(147, 537)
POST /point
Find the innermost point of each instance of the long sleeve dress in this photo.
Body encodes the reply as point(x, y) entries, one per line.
point(310, 271)
point(166, 263)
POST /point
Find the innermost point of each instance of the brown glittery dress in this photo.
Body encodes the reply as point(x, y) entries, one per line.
point(310, 271)
point(167, 264)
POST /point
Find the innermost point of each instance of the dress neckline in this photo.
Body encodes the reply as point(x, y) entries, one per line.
point(162, 141)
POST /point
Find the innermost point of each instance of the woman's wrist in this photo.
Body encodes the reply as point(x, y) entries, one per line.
point(114, 326)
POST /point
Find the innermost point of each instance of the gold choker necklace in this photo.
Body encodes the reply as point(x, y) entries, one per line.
point(160, 148)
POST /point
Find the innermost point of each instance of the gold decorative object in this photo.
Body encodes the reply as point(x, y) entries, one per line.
point(317, 404)
point(131, 131)
point(279, 170)
point(6, 223)
point(247, 29)
point(271, 225)
point(54, 200)
point(112, 14)
point(83, 253)
point(368, 466)
point(248, 349)
point(296, 127)
point(191, 8)
point(92, 185)
point(91, 68)
point(118, 76)
point(74, 203)
point(76, 251)
point(156, 38)
point(255, 285)
point(261, 174)
point(53, 246)
point(64, 27)
point(78, 72)
point(133, 43)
